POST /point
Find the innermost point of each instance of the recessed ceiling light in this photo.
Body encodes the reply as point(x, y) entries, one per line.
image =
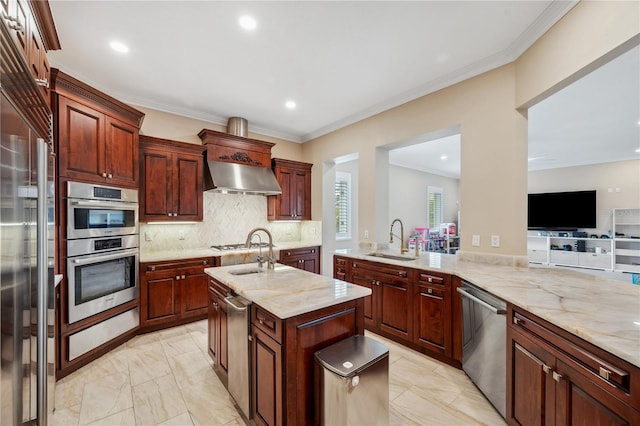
point(119, 47)
point(247, 22)
point(443, 157)
point(290, 104)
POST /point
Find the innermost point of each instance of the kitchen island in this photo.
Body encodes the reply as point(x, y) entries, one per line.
point(293, 314)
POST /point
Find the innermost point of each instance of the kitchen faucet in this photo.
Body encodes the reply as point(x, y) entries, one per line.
point(270, 260)
point(391, 234)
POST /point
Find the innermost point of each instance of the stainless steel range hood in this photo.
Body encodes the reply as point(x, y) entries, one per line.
point(226, 177)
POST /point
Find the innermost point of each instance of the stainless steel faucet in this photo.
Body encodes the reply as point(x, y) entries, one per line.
point(270, 260)
point(403, 250)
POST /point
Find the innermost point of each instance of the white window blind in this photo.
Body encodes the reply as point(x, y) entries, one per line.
point(434, 207)
point(343, 205)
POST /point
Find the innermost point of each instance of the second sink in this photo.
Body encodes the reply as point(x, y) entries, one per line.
point(391, 256)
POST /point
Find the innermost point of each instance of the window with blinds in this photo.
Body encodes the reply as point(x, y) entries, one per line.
point(434, 207)
point(343, 205)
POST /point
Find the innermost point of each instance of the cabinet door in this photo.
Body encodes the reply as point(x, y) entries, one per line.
point(156, 186)
point(19, 27)
point(193, 294)
point(284, 205)
point(81, 141)
point(301, 195)
point(121, 141)
point(310, 264)
point(370, 302)
point(187, 187)
point(432, 313)
point(162, 305)
point(395, 315)
point(530, 386)
point(267, 379)
point(581, 402)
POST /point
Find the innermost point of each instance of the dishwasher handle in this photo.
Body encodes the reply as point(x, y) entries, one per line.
point(496, 310)
point(231, 302)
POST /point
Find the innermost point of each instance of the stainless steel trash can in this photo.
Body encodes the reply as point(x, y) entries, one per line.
point(353, 382)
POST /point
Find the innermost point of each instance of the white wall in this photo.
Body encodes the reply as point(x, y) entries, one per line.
point(408, 197)
point(624, 175)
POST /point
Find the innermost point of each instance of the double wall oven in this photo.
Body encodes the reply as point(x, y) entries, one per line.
point(102, 248)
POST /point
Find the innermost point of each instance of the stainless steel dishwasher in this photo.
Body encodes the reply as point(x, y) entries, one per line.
point(238, 350)
point(484, 343)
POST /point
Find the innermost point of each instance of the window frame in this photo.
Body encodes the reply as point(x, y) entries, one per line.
point(440, 191)
point(344, 177)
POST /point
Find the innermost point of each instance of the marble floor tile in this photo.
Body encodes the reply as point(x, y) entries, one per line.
point(165, 378)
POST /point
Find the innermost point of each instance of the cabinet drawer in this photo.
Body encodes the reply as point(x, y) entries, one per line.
point(205, 262)
point(341, 262)
point(536, 255)
point(379, 269)
point(268, 323)
point(584, 357)
point(218, 288)
point(593, 260)
point(430, 278)
point(563, 257)
point(304, 251)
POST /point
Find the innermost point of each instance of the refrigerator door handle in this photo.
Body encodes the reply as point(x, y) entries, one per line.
point(42, 156)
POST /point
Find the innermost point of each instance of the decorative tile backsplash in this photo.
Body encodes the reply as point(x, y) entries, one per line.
point(228, 218)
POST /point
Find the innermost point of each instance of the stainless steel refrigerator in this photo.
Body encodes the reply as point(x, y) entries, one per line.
point(27, 293)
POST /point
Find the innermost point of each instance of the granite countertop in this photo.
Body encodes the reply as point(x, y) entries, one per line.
point(286, 291)
point(227, 256)
point(603, 312)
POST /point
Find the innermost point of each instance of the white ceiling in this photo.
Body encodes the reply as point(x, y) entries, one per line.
point(340, 61)
point(191, 58)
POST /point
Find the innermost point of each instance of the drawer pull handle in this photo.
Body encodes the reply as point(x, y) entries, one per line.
point(546, 368)
point(516, 321)
point(430, 279)
point(430, 290)
point(177, 277)
point(153, 268)
point(604, 373)
point(556, 376)
point(104, 174)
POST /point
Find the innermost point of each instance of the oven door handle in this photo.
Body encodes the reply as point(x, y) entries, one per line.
point(496, 310)
point(107, 204)
point(104, 257)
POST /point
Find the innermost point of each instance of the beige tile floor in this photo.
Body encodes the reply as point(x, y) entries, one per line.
point(165, 378)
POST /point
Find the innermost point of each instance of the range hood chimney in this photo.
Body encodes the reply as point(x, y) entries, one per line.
point(237, 164)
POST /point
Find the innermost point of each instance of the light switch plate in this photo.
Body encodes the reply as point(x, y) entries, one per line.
point(495, 241)
point(475, 240)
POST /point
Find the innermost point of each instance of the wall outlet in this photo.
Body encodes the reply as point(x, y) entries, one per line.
point(475, 240)
point(366, 234)
point(181, 235)
point(495, 241)
point(148, 236)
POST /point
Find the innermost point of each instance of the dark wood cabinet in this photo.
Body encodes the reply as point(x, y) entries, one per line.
point(267, 378)
point(218, 338)
point(555, 378)
point(97, 135)
point(171, 174)
point(389, 309)
point(294, 203)
point(305, 258)
point(432, 312)
point(173, 292)
point(413, 307)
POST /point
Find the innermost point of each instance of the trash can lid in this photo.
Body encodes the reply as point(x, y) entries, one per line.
point(350, 356)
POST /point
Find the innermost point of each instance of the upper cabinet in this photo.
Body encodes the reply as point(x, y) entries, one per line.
point(97, 135)
point(171, 187)
point(294, 203)
point(28, 33)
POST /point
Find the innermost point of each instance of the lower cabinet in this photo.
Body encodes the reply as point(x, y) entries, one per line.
point(389, 309)
point(410, 306)
point(267, 378)
point(217, 329)
point(555, 378)
point(432, 327)
point(173, 292)
point(305, 258)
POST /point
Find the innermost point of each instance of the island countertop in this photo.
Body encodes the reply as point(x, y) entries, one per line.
point(286, 291)
point(601, 311)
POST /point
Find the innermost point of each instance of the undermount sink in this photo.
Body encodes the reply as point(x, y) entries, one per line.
point(391, 256)
point(247, 271)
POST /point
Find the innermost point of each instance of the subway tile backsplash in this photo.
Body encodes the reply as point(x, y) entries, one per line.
point(227, 219)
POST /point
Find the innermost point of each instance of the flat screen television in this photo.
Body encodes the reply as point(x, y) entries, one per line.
point(562, 210)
